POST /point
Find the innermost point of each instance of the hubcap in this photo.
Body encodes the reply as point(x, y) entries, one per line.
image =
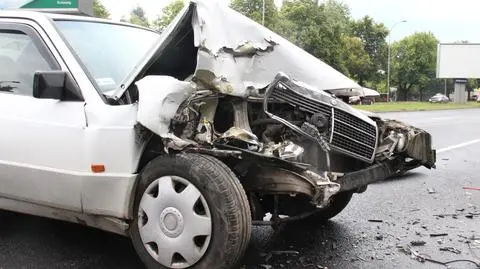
point(174, 222)
point(171, 222)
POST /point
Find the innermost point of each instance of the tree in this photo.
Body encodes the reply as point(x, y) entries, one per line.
point(318, 29)
point(414, 62)
point(356, 60)
point(373, 36)
point(254, 10)
point(99, 10)
point(168, 14)
point(138, 16)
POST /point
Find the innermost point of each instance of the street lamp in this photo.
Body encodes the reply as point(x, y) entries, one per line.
point(390, 57)
point(263, 13)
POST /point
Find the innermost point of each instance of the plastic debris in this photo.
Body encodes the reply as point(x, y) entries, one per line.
point(416, 243)
point(451, 249)
point(431, 191)
point(438, 234)
point(472, 188)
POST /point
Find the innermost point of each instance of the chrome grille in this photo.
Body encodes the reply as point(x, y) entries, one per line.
point(347, 133)
point(353, 135)
point(285, 95)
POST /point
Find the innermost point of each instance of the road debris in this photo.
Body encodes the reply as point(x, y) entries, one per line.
point(438, 234)
point(379, 237)
point(408, 250)
point(415, 222)
point(431, 191)
point(375, 220)
point(416, 243)
point(451, 249)
point(284, 252)
point(455, 215)
point(360, 258)
point(472, 188)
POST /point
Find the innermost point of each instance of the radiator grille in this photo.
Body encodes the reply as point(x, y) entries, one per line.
point(348, 134)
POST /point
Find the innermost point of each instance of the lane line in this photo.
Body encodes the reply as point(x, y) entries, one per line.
point(468, 143)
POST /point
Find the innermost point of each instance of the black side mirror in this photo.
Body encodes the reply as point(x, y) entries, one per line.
point(58, 85)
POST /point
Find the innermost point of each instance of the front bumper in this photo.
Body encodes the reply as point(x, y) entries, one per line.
point(378, 172)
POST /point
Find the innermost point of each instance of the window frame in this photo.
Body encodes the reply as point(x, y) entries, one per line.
point(37, 41)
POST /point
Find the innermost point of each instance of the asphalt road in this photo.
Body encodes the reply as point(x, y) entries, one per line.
point(406, 207)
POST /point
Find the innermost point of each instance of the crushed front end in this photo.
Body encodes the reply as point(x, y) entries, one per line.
point(294, 148)
point(297, 150)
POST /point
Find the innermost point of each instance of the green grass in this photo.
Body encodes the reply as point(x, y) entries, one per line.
point(414, 106)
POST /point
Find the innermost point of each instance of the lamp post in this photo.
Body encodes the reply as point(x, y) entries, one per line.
point(389, 61)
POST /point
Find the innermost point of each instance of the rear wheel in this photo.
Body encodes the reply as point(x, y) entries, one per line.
point(190, 212)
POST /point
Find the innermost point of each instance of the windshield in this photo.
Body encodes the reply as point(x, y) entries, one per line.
point(109, 52)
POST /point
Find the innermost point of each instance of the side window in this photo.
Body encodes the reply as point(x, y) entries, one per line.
point(20, 58)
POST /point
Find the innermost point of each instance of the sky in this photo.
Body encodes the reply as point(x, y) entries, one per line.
point(449, 20)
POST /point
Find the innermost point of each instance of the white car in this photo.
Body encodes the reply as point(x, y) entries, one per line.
point(439, 98)
point(182, 141)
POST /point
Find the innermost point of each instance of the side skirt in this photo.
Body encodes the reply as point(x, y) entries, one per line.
point(109, 224)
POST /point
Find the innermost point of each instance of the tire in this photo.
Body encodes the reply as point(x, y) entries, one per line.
point(336, 205)
point(224, 201)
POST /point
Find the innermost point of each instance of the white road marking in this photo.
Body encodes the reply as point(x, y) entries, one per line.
point(459, 146)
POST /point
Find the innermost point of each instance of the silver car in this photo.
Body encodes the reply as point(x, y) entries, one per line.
point(182, 141)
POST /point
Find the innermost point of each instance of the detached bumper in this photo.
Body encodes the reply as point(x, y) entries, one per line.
point(378, 172)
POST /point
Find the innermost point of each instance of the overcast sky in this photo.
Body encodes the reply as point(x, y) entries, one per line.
point(449, 20)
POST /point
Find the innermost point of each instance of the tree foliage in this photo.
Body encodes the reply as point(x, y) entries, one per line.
point(99, 10)
point(138, 17)
point(414, 63)
point(356, 60)
point(254, 10)
point(373, 37)
point(318, 29)
point(168, 14)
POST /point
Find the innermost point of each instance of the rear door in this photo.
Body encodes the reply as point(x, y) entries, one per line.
point(41, 141)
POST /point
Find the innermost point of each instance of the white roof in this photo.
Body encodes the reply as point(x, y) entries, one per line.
point(41, 16)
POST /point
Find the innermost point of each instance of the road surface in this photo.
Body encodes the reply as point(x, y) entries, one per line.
point(405, 207)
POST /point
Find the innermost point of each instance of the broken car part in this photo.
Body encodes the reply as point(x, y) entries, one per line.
point(242, 105)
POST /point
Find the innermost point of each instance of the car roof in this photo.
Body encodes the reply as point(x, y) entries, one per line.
point(39, 16)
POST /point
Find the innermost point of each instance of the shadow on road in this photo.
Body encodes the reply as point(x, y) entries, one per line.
point(33, 242)
point(407, 176)
point(296, 245)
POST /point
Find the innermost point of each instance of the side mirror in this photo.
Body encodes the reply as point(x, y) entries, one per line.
point(58, 85)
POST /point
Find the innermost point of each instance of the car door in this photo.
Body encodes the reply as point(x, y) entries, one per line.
point(41, 140)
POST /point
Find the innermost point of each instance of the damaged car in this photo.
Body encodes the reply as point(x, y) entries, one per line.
point(182, 141)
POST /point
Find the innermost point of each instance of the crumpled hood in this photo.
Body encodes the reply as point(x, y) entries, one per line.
point(238, 56)
point(243, 55)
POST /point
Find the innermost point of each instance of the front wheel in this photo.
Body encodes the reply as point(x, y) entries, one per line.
point(190, 212)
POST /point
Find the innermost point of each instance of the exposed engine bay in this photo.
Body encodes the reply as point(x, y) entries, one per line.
point(267, 114)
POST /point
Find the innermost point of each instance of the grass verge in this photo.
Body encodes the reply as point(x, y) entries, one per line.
point(414, 106)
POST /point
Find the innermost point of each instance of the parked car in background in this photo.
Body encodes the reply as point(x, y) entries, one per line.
point(439, 98)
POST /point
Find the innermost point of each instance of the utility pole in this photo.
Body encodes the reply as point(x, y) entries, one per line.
point(389, 60)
